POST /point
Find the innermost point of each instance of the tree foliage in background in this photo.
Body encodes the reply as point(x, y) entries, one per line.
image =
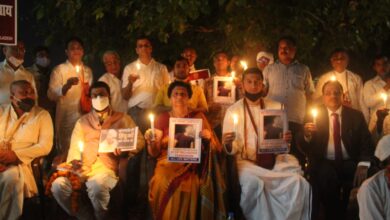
point(240, 27)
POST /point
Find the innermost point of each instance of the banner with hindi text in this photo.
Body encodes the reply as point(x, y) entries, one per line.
point(8, 22)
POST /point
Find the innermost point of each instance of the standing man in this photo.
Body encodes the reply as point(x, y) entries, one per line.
point(351, 82)
point(112, 63)
point(289, 82)
point(26, 134)
point(12, 69)
point(339, 148)
point(197, 102)
point(65, 88)
point(379, 84)
point(141, 81)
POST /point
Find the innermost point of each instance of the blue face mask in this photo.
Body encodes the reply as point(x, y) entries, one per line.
point(42, 61)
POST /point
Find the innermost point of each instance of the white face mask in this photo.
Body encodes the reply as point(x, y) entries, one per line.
point(43, 61)
point(15, 62)
point(100, 103)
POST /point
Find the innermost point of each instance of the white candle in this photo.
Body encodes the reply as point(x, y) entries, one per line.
point(244, 64)
point(81, 149)
point(235, 122)
point(314, 113)
point(151, 117)
point(233, 75)
point(384, 98)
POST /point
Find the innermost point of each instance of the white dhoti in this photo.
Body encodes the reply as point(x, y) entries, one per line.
point(11, 194)
point(98, 189)
point(269, 194)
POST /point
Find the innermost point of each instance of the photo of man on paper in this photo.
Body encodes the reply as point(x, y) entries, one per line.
point(273, 127)
point(184, 136)
point(110, 142)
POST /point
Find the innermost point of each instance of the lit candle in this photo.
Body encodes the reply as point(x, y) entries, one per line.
point(233, 75)
point(314, 113)
point(78, 69)
point(151, 117)
point(333, 78)
point(384, 98)
point(244, 65)
point(235, 123)
point(81, 149)
point(138, 66)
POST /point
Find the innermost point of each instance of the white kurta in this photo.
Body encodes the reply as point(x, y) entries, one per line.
point(68, 106)
point(152, 77)
point(32, 138)
point(8, 75)
point(117, 102)
point(374, 198)
point(280, 193)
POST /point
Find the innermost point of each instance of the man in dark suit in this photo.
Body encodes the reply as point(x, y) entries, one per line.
point(339, 148)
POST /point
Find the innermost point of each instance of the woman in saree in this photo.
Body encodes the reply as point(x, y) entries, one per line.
point(185, 190)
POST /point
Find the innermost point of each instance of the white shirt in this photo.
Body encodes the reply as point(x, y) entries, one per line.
point(330, 153)
point(117, 102)
point(372, 94)
point(352, 86)
point(152, 77)
point(8, 75)
point(289, 84)
point(228, 126)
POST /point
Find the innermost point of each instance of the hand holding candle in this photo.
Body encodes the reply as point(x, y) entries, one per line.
point(151, 117)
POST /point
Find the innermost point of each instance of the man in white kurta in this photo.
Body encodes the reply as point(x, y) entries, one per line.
point(112, 64)
point(99, 169)
point(374, 194)
point(141, 80)
point(375, 87)
point(12, 69)
point(65, 89)
point(277, 193)
point(24, 135)
point(351, 82)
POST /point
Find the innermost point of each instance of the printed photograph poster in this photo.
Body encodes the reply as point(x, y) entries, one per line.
point(184, 145)
point(199, 74)
point(224, 90)
point(273, 124)
point(125, 139)
point(8, 22)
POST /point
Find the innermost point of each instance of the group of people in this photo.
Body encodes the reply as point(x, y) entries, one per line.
point(328, 156)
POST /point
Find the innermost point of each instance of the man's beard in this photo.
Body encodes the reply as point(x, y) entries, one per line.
point(253, 96)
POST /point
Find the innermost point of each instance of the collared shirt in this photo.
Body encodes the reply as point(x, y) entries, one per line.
point(372, 93)
point(289, 84)
point(152, 77)
point(352, 87)
point(117, 102)
point(198, 99)
point(330, 153)
point(8, 75)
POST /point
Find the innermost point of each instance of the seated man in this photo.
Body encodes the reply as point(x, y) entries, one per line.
point(339, 148)
point(181, 70)
point(99, 169)
point(271, 187)
point(374, 193)
point(26, 133)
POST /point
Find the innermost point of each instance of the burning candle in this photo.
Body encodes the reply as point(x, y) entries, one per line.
point(244, 64)
point(81, 149)
point(138, 66)
point(314, 113)
point(151, 117)
point(235, 122)
point(233, 75)
point(384, 98)
point(78, 69)
point(333, 78)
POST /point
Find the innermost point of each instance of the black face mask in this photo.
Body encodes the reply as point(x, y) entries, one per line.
point(253, 96)
point(26, 104)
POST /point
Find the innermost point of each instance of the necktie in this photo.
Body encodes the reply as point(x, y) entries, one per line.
point(337, 137)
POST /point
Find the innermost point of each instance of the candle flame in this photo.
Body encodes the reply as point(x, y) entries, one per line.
point(151, 117)
point(333, 78)
point(77, 68)
point(235, 119)
point(314, 112)
point(244, 64)
point(384, 97)
point(138, 66)
point(81, 146)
